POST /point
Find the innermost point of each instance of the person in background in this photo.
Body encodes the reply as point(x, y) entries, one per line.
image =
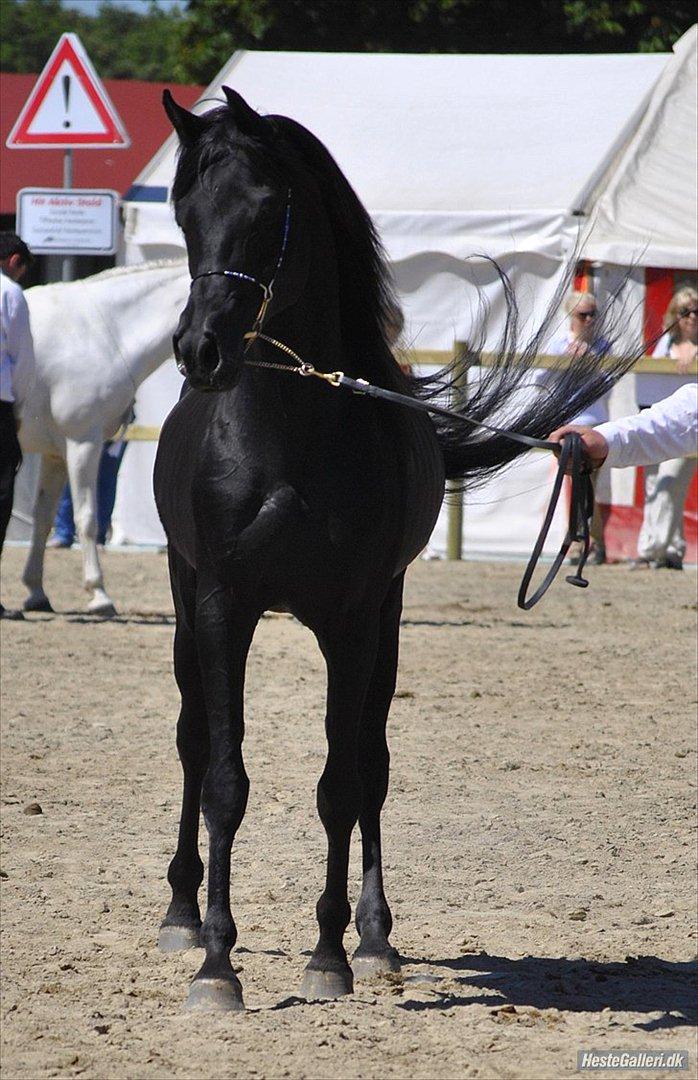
point(394, 325)
point(661, 543)
point(667, 430)
point(17, 372)
point(581, 336)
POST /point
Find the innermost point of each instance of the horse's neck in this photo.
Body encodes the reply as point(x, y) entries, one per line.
point(140, 311)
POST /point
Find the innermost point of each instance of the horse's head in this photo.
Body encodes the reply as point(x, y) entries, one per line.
point(233, 207)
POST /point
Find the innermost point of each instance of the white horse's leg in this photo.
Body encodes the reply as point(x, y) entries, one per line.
point(51, 480)
point(83, 466)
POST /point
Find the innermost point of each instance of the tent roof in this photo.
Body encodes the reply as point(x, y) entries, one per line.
point(454, 133)
point(645, 206)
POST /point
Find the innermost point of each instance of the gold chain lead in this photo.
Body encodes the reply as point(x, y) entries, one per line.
point(332, 377)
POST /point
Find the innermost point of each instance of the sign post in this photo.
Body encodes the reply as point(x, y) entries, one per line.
point(68, 109)
point(68, 272)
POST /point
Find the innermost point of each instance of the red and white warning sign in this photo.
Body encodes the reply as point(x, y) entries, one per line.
point(68, 106)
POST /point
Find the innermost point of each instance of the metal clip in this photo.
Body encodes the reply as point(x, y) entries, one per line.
point(261, 314)
point(334, 378)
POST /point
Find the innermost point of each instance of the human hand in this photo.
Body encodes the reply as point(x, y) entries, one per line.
point(684, 365)
point(594, 446)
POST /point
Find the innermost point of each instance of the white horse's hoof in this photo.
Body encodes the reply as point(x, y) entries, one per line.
point(101, 605)
point(37, 602)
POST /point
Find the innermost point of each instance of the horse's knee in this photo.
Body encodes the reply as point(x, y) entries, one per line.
point(339, 800)
point(224, 798)
point(86, 522)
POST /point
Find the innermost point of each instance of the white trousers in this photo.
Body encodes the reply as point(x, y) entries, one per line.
point(662, 522)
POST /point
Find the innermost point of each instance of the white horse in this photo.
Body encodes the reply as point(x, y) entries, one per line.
point(95, 341)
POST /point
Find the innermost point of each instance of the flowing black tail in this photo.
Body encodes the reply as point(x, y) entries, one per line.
point(507, 396)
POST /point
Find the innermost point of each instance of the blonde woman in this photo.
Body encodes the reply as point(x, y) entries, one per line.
point(580, 336)
point(661, 543)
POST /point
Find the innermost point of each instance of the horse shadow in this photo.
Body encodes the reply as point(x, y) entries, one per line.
point(128, 618)
point(642, 984)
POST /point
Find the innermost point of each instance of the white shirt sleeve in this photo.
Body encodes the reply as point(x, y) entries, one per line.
point(17, 346)
point(22, 349)
point(669, 429)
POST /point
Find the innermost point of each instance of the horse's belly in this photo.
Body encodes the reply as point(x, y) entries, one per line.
point(422, 489)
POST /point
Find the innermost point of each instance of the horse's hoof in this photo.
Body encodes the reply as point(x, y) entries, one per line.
point(215, 995)
point(105, 608)
point(178, 938)
point(326, 985)
point(367, 966)
point(37, 603)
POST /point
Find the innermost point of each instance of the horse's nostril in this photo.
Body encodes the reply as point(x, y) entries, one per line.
point(181, 366)
point(207, 354)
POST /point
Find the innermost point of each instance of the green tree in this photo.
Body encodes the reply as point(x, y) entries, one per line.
point(191, 43)
point(628, 25)
point(213, 29)
point(30, 29)
point(122, 43)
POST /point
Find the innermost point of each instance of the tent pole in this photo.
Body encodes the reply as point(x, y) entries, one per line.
point(459, 397)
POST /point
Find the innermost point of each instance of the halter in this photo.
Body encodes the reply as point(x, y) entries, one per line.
point(267, 290)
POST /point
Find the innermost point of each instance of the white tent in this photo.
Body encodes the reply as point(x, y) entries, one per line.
point(454, 156)
point(646, 204)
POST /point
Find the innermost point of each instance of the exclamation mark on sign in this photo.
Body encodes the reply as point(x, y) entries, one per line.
point(66, 99)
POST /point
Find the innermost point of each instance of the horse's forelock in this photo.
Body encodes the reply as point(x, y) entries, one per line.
point(221, 139)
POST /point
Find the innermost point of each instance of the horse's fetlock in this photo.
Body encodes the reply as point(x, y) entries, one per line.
point(372, 915)
point(218, 931)
point(184, 872)
point(333, 913)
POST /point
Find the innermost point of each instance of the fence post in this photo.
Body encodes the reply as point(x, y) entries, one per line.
point(459, 396)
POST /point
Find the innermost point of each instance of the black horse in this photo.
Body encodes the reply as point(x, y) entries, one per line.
point(279, 492)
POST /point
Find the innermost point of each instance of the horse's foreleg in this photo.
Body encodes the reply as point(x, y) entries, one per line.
point(373, 918)
point(83, 467)
point(182, 923)
point(51, 480)
point(223, 636)
point(350, 652)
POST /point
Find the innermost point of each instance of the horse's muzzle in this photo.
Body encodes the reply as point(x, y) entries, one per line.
point(201, 359)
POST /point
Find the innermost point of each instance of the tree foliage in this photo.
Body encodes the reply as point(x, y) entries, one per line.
point(213, 29)
point(191, 43)
point(121, 42)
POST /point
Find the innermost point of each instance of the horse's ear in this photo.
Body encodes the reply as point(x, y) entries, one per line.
point(248, 121)
point(187, 125)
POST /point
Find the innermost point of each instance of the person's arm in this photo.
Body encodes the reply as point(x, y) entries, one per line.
point(668, 430)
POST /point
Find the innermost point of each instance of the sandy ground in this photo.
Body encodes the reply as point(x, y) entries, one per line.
point(539, 836)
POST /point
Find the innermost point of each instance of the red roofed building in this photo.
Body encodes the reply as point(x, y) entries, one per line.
point(138, 104)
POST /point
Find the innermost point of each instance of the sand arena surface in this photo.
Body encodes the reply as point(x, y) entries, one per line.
point(539, 835)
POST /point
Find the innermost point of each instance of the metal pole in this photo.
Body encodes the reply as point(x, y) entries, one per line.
point(454, 536)
point(68, 273)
